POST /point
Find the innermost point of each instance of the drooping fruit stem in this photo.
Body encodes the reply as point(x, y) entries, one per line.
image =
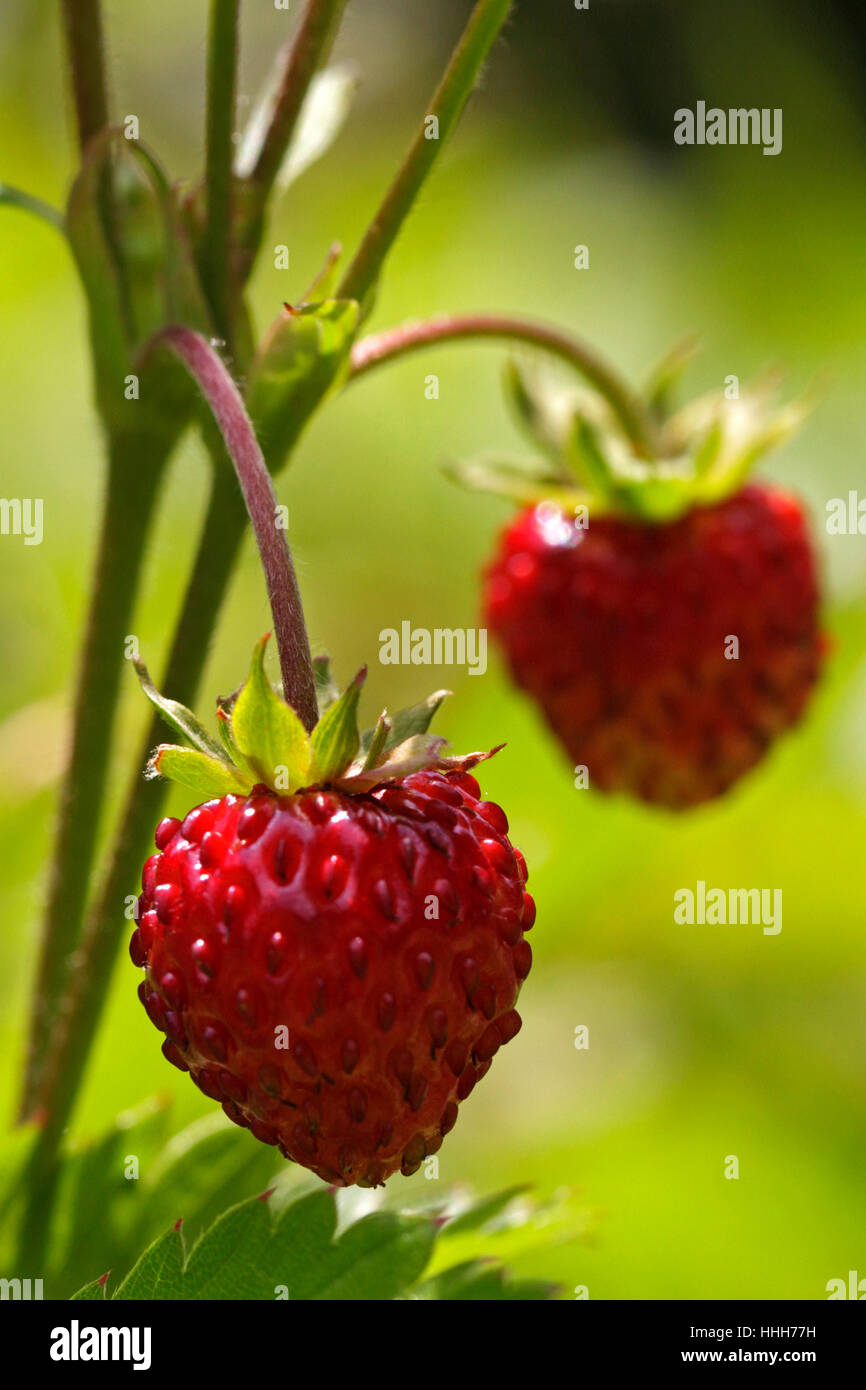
point(219, 151)
point(393, 343)
point(442, 115)
point(82, 23)
point(229, 412)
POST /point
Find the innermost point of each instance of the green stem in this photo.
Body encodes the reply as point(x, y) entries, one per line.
point(82, 22)
point(16, 197)
point(393, 343)
point(446, 106)
point(220, 122)
point(135, 469)
point(298, 62)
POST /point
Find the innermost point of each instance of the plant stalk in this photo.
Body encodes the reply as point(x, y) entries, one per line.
point(16, 197)
point(445, 108)
point(222, 533)
point(393, 343)
point(219, 151)
point(82, 23)
point(136, 467)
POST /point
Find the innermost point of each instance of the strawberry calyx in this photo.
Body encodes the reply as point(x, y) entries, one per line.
point(702, 453)
point(262, 741)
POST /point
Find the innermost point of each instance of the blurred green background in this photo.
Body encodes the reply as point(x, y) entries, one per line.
point(704, 1042)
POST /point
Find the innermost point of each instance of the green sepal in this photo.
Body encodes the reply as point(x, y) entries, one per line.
point(535, 406)
point(224, 729)
point(177, 716)
point(590, 463)
point(702, 454)
point(262, 740)
point(413, 755)
point(415, 719)
point(205, 776)
point(302, 358)
point(520, 480)
point(268, 733)
point(335, 739)
point(665, 375)
point(378, 737)
point(656, 499)
point(324, 283)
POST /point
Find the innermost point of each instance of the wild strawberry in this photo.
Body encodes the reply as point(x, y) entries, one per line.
point(625, 635)
point(334, 953)
point(664, 616)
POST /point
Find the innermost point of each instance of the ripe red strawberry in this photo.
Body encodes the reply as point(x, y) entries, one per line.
point(338, 966)
point(622, 632)
point(664, 615)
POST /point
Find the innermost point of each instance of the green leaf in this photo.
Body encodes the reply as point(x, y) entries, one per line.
point(100, 1198)
point(91, 1293)
point(268, 732)
point(415, 719)
point(256, 1251)
point(235, 1167)
point(483, 1280)
point(205, 776)
point(289, 1243)
point(485, 1210)
point(513, 1229)
point(304, 356)
point(107, 1211)
point(377, 1258)
point(335, 739)
point(181, 719)
point(159, 1272)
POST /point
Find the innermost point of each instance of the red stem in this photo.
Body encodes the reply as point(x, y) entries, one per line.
point(392, 343)
point(227, 407)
